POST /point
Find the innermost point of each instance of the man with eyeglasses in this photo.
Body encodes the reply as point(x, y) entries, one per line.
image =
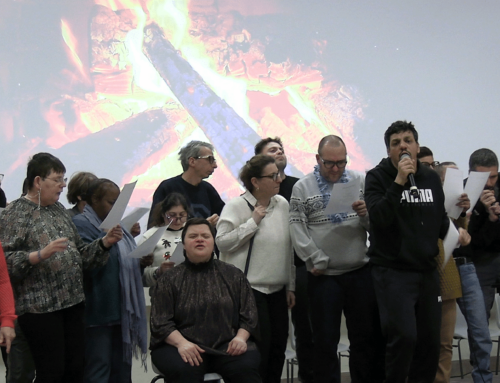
point(198, 162)
point(333, 247)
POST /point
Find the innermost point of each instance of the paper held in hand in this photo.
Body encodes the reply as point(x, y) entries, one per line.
point(148, 246)
point(343, 196)
point(136, 214)
point(450, 242)
point(115, 215)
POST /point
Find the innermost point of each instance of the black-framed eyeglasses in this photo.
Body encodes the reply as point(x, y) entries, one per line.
point(60, 180)
point(430, 164)
point(210, 159)
point(275, 176)
point(330, 164)
point(174, 217)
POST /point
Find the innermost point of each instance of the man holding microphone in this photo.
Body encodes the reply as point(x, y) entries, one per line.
point(404, 232)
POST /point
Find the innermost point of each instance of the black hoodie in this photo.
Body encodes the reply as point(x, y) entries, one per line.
point(404, 231)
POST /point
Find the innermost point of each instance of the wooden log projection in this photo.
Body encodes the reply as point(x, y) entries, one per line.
point(115, 150)
point(233, 138)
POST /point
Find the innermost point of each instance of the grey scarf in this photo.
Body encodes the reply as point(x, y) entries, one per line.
point(133, 316)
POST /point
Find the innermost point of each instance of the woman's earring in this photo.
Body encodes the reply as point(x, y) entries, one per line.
point(39, 192)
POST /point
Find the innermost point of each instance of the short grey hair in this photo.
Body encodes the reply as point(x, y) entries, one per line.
point(192, 149)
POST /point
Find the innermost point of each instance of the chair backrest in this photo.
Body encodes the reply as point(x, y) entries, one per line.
point(497, 301)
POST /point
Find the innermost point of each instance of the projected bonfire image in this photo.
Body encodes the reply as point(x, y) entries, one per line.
point(161, 73)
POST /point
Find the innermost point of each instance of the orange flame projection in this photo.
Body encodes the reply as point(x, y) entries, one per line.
point(275, 99)
point(71, 42)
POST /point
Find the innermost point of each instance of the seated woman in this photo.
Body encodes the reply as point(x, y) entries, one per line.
point(172, 210)
point(115, 315)
point(261, 216)
point(45, 259)
point(202, 316)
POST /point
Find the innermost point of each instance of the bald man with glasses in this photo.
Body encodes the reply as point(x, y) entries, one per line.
point(333, 247)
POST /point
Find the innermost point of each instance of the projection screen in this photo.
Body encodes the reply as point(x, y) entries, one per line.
point(116, 87)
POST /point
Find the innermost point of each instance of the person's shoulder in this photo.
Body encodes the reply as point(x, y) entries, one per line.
point(280, 200)
point(355, 174)
point(169, 182)
point(237, 203)
point(82, 222)
point(228, 269)
point(303, 180)
point(207, 185)
point(305, 183)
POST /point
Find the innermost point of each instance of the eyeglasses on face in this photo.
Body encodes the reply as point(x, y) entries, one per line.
point(174, 217)
point(275, 176)
point(330, 164)
point(430, 164)
point(210, 159)
point(59, 180)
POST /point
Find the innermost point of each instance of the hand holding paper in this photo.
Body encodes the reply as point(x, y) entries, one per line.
point(129, 220)
point(343, 197)
point(112, 236)
point(149, 244)
point(463, 237)
point(450, 242)
point(474, 187)
point(453, 189)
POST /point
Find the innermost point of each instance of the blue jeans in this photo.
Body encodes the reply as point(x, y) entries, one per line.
point(488, 273)
point(472, 306)
point(353, 294)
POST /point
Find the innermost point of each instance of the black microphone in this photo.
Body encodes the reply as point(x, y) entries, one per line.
point(413, 187)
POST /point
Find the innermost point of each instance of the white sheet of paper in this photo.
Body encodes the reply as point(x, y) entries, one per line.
point(148, 246)
point(453, 187)
point(134, 216)
point(450, 242)
point(343, 196)
point(178, 255)
point(474, 186)
point(115, 215)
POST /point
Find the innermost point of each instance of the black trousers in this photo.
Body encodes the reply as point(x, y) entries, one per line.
point(302, 324)
point(56, 340)
point(234, 369)
point(410, 315)
point(273, 326)
point(351, 293)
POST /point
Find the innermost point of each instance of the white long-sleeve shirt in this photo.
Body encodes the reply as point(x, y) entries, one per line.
point(271, 262)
